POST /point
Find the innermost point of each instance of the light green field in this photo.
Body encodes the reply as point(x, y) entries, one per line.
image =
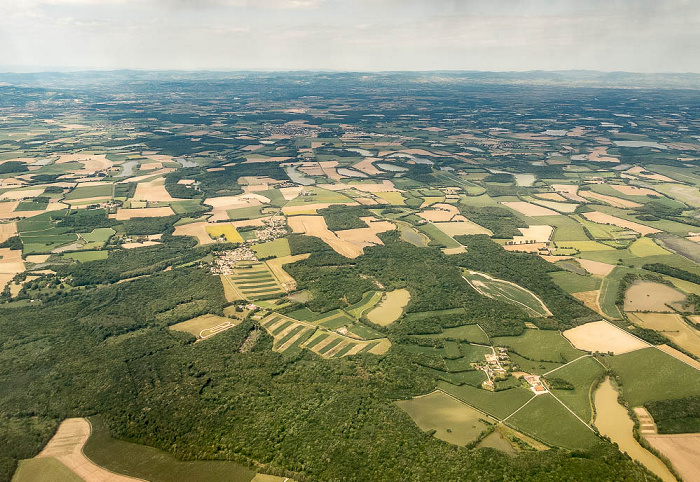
point(83, 192)
point(392, 197)
point(575, 283)
point(254, 280)
point(319, 195)
point(452, 421)
point(508, 292)
point(154, 465)
point(470, 333)
point(498, 404)
point(45, 469)
point(85, 256)
point(651, 374)
point(586, 246)
point(647, 247)
point(438, 236)
point(540, 345)
point(581, 374)
point(277, 248)
point(609, 289)
point(185, 207)
point(549, 421)
point(369, 300)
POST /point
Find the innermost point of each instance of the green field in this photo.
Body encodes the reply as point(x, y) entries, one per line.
point(451, 420)
point(470, 333)
point(608, 292)
point(650, 374)
point(277, 248)
point(549, 421)
point(540, 345)
point(46, 469)
point(368, 301)
point(437, 236)
point(84, 192)
point(254, 280)
point(505, 291)
point(498, 404)
point(154, 465)
point(575, 283)
point(85, 256)
point(581, 374)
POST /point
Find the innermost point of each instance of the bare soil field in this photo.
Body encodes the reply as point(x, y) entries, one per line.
point(672, 326)
point(7, 230)
point(613, 421)
point(197, 230)
point(439, 213)
point(550, 196)
point(289, 193)
point(457, 227)
point(67, 447)
point(153, 191)
point(652, 296)
point(641, 172)
point(141, 244)
point(390, 308)
point(123, 214)
point(367, 167)
point(91, 162)
point(683, 450)
point(366, 236)
point(20, 194)
point(276, 265)
point(569, 191)
point(566, 208)
point(538, 233)
point(329, 170)
point(221, 205)
point(596, 267)
point(603, 337)
point(611, 200)
point(633, 190)
point(600, 154)
point(602, 218)
point(316, 226)
point(590, 299)
point(529, 209)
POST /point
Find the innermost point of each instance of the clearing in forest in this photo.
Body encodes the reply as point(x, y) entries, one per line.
point(506, 291)
point(452, 420)
point(205, 326)
point(390, 308)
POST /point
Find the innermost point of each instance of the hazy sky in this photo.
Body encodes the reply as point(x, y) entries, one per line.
point(631, 35)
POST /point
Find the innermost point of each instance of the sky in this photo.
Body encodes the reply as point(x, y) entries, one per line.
point(351, 35)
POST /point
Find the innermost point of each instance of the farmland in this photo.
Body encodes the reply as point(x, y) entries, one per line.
point(328, 277)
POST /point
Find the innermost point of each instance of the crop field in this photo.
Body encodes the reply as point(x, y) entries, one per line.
point(438, 236)
point(683, 450)
point(604, 337)
point(575, 283)
point(651, 296)
point(290, 333)
point(88, 191)
point(665, 377)
point(453, 421)
point(506, 291)
point(368, 301)
point(673, 327)
point(226, 230)
point(390, 308)
point(45, 469)
point(254, 280)
point(540, 345)
point(85, 256)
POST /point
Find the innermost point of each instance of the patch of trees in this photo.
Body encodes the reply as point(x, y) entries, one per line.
point(559, 384)
point(672, 271)
point(86, 219)
point(12, 167)
point(220, 183)
point(502, 222)
point(144, 226)
point(339, 217)
point(13, 242)
point(500, 177)
point(680, 415)
point(122, 264)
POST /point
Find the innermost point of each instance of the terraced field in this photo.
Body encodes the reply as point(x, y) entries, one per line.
point(253, 280)
point(291, 335)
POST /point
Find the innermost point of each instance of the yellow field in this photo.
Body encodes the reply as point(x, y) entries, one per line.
point(392, 197)
point(226, 230)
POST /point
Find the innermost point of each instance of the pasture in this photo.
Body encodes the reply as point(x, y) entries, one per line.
point(497, 404)
point(652, 296)
point(581, 374)
point(650, 374)
point(470, 333)
point(543, 345)
point(278, 248)
point(453, 421)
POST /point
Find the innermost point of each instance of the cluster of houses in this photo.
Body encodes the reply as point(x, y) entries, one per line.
point(225, 261)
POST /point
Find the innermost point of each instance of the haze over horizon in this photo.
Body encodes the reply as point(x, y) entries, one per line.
point(344, 35)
